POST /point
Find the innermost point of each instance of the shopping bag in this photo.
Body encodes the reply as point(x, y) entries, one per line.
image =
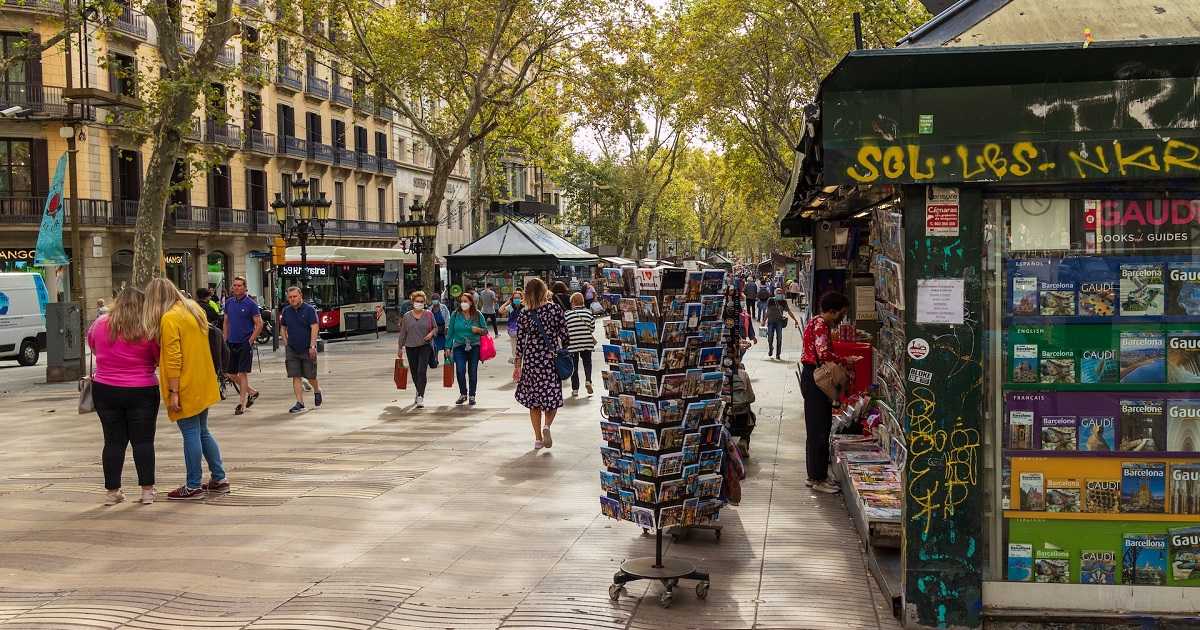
point(832, 379)
point(448, 375)
point(487, 348)
point(400, 375)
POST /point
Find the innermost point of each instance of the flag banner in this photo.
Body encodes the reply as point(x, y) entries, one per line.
point(49, 243)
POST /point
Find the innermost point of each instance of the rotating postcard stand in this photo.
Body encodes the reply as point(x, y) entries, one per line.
point(663, 416)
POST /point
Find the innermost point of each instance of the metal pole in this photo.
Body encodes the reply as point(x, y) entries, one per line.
point(658, 563)
point(302, 232)
point(858, 38)
point(77, 262)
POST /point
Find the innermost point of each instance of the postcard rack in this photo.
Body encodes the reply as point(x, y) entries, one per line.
point(671, 347)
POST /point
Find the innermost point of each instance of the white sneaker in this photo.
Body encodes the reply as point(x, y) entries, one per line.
point(113, 497)
point(420, 402)
point(148, 496)
point(828, 487)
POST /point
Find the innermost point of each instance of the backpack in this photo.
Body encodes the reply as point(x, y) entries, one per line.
point(439, 322)
point(765, 293)
point(218, 349)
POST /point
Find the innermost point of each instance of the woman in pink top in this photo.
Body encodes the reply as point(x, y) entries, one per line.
point(125, 392)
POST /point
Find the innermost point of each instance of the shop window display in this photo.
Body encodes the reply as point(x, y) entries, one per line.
point(1099, 389)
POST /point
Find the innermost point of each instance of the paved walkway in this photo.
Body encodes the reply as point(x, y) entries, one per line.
point(368, 514)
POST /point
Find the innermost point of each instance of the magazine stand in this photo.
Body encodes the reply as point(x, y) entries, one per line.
point(670, 357)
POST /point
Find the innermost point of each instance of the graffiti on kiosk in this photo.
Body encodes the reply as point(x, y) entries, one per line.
point(1018, 160)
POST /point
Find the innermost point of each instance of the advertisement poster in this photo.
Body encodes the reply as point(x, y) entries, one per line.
point(1095, 289)
point(941, 211)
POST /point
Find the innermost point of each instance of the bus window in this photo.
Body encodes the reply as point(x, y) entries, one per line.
point(322, 290)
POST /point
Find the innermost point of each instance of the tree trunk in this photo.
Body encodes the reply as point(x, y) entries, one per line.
point(442, 167)
point(478, 176)
point(156, 188)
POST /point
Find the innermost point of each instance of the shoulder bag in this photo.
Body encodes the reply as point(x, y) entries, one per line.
point(86, 404)
point(833, 379)
point(563, 364)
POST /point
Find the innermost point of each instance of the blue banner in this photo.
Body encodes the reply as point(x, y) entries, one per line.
point(49, 243)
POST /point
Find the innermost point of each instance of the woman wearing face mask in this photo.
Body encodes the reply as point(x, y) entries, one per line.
point(417, 330)
point(467, 325)
point(441, 318)
point(510, 310)
point(818, 408)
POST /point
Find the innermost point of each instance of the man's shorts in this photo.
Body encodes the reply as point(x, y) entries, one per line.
point(300, 365)
point(241, 358)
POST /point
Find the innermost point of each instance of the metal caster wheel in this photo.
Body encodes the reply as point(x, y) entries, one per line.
point(702, 590)
point(615, 592)
point(664, 600)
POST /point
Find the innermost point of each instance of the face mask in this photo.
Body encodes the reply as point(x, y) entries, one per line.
point(778, 295)
point(419, 306)
point(516, 300)
point(466, 306)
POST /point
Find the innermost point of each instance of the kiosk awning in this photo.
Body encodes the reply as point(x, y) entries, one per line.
point(518, 245)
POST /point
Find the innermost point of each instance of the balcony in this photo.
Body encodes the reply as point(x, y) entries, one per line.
point(364, 104)
point(41, 102)
point(316, 87)
point(131, 22)
point(344, 157)
point(227, 56)
point(388, 167)
point(230, 219)
point(386, 113)
point(369, 229)
point(48, 6)
point(262, 222)
point(294, 147)
point(260, 141)
point(291, 78)
point(28, 211)
point(195, 132)
point(191, 217)
point(342, 96)
point(187, 42)
point(368, 162)
point(320, 152)
point(223, 133)
point(254, 68)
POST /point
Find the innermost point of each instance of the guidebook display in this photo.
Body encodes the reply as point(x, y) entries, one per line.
point(1101, 417)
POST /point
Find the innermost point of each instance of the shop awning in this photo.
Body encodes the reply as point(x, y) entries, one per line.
point(518, 245)
point(1032, 114)
point(616, 261)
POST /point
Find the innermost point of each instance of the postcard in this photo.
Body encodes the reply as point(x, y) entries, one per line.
point(646, 359)
point(674, 359)
point(645, 491)
point(647, 465)
point(648, 412)
point(610, 431)
point(711, 357)
point(671, 437)
point(672, 385)
point(713, 281)
point(612, 330)
point(644, 517)
point(647, 333)
point(628, 405)
point(691, 315)
point(673, 307)
point(674, 333)
point(695, 280)
point(670, 464)
point(673, 490)
point(711, 383)
point(627, 337)
point(647, 385)
point(645, 439)
point(612, 353)
point(647, 308)
point(629, 312)
point(627, 446)
point(610, 481)
point(671, 411)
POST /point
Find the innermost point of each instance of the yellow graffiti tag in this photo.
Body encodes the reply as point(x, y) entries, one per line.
point(997, 162)
point(931, 450)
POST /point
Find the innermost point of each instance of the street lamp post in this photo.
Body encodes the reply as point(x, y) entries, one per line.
point(416, 234)
point(302, 216)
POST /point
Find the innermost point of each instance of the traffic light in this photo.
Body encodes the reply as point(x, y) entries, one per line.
point(278, 252)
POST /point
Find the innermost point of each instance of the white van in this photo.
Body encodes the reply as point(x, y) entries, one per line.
point(23, 300)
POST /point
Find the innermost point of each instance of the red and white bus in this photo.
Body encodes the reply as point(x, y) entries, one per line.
point(345, 284)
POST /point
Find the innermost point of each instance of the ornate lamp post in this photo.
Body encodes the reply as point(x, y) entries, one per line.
point(417, 234)
point(302, 216)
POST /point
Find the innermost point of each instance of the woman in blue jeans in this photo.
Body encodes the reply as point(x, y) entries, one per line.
point(467, 325)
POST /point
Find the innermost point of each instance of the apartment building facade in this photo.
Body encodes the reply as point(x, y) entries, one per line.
point(290, 112)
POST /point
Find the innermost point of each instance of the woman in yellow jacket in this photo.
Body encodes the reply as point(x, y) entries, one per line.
point(188, 382)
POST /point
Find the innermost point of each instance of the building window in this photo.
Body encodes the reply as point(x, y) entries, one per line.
point(402, 207)
point(400, 150)
point(462, 212)
point(381, 145)
point(16, 168)
point(15, 77)
point(362, 202)
point(122, 70)
point(381, 198)
point(339, 199)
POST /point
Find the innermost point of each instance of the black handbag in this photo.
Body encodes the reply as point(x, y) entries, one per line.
point(563, 364)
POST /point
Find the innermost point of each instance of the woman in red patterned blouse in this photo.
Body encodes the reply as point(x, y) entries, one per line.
point(818, 408)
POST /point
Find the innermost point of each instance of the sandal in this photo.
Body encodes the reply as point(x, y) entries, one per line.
point(537, 445)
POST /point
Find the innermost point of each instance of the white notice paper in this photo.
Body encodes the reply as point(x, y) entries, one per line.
point(940, 301)
point(864, 302)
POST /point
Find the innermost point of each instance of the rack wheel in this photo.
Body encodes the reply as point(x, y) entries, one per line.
point(664, 600)
point(615, 591)
point(702, 590)
point(672, 583)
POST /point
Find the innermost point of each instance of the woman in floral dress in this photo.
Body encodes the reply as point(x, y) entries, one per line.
point(541, 331)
